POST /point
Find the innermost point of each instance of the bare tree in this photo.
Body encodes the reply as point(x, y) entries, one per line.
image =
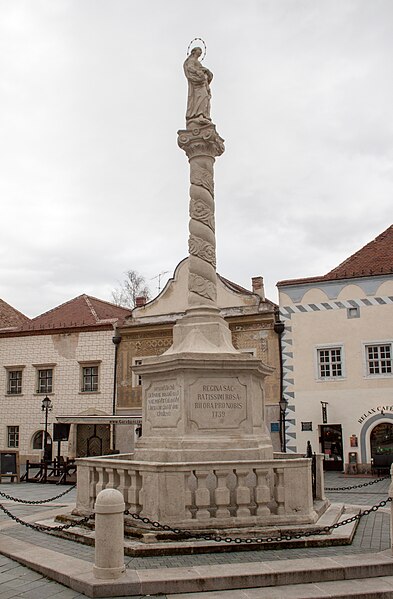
point(133, 286)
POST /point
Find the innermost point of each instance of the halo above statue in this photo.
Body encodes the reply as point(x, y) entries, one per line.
point(197, 39)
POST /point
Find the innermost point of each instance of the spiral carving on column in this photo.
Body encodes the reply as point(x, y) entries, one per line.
point(202, 145)
point(202, 249)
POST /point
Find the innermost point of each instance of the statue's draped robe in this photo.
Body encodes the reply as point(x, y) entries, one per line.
point(198, 103)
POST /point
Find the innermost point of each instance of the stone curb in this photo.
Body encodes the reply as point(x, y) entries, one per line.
point(78, 574)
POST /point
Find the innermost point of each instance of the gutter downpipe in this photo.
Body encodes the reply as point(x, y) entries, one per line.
point(116, 341)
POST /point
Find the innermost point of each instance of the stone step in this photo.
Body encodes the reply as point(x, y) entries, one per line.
point(366, 588)
point(153, 543)
point(362, 575)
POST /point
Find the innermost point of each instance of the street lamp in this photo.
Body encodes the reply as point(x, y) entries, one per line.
point(283, 408)
point(46, 407)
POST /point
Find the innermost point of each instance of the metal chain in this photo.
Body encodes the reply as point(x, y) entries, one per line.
point(43, 527)
point(16, 499)
point(282, 537)
point(372, 482)
point(205, 536)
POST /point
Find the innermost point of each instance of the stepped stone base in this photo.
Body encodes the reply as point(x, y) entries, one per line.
point(142, 540)
point(366, 575)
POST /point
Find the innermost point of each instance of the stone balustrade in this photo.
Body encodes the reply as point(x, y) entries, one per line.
point(205, 494)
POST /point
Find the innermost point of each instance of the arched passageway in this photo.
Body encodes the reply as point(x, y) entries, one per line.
point(381, 445)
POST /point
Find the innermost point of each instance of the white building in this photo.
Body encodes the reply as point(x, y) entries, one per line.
point(67, 355)
point(337, 359)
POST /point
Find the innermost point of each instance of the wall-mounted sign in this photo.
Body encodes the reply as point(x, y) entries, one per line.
point(306, 426)
point(373, 411)
point(353, 441)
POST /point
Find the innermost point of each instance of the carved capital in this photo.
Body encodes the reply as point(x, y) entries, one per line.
point(201, 141)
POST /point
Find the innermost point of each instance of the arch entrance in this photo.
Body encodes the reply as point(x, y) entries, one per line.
point(381, 445)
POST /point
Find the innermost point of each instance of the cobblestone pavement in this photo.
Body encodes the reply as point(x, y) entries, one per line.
point(18, 581)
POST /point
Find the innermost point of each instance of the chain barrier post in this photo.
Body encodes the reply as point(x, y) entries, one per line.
point(109, 525)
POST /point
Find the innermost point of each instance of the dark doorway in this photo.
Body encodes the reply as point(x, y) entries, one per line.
point(381, 442)
point(332, 447)
point(92, 440)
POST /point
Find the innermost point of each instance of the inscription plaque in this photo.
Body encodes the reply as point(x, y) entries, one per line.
point(218, 403)
point(163, 403)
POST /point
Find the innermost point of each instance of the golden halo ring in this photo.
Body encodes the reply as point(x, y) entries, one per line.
point(197, 39)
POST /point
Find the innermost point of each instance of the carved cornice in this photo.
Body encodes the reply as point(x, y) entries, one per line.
point(201, 141)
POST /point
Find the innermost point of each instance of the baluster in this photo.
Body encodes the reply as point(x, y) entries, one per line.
point(202, 495)
point(93, 485)
point(188, 495)
point(100, 482)
point(123, 484)
point(221, 494)
point(279, 490)
point(262, 492)
point(243, 494)
point(133, 492)
point(111, 478)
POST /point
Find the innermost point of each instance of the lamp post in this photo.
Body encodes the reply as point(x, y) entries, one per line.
point(46, 407)
point(283, 409)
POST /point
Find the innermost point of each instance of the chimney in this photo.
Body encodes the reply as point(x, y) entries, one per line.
point(258, 287)
point(140, 301)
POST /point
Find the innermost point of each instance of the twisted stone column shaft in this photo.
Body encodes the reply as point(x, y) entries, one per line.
point(202, 145)
point(202, 239)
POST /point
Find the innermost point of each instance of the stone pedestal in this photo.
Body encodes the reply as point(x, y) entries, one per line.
point(203, 407)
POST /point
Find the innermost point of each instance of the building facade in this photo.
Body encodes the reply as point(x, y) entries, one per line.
point(66, 355)
point(148, 332)
point(337, 359)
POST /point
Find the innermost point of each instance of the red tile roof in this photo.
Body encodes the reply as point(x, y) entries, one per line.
point(375, 258)
point(82, 311)
point(11, 318)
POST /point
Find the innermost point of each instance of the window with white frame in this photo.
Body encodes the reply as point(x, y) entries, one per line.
point(14, 381)
point(13, 436)
point(379, 358)
point(137, 377)
point(89, 378)
point(44, 380)
point(330, 365)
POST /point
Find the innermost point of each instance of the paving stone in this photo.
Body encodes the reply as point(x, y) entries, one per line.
point(372, 535)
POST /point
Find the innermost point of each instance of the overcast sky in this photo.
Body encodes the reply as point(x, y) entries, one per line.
point(92, 183)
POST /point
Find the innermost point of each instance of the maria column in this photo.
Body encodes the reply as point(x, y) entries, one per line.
point(202, 144)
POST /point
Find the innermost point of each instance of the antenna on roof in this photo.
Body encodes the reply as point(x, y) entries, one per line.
point(164, 272)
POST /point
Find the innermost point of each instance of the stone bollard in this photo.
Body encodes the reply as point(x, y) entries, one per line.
point(109, 527)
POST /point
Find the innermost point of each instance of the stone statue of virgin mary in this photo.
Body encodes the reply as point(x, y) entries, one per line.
point(199, 78)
